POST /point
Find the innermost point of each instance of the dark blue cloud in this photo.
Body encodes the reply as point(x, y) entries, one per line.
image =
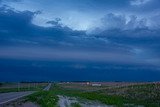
point(23, 70)
point(122, 50)
point(16, 27)
point(82, 15)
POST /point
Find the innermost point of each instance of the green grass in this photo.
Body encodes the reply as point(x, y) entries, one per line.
point(44, 98)
point(146, 95)
point(117, 100)
point(110, 100)
point(75, 105)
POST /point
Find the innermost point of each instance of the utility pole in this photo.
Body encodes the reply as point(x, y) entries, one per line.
point(28, 86)
point(18, 86)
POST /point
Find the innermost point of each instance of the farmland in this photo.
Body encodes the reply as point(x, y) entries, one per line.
point(16, 87)
point(109, 94)
point(118, 94)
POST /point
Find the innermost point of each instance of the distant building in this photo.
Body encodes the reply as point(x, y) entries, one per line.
point(88, 83)
point(96, 85)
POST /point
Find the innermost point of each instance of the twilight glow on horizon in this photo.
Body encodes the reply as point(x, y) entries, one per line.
point(80, 40)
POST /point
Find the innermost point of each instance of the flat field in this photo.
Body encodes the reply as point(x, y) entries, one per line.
point(16, 87)
point(98, 94)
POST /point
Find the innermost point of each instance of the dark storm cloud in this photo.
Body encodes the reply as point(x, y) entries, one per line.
point(89, 37)
point(85, 14)
point(112, 44)
point(17, 27)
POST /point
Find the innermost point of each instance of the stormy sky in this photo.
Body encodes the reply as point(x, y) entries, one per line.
point(79, 40)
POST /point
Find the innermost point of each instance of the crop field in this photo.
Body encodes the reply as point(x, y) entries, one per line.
point(16, 87)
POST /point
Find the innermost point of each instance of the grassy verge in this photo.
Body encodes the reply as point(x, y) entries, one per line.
point(110, 100)
point(44, 98)
point(75, 105)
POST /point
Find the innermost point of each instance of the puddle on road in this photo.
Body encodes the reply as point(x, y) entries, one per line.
point(65, 101)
